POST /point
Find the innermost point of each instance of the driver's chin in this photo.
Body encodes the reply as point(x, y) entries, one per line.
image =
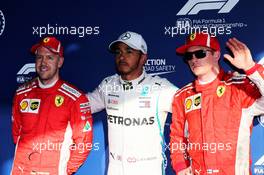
point(123, 72)
point(198, 71)
point(43, 76)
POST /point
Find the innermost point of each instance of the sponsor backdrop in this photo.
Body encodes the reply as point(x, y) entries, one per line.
point(87, 27)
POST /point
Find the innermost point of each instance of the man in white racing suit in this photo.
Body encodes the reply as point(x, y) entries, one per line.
point(136, 105)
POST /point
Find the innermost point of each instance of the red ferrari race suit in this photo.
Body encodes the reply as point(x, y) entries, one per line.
point(52, 129)
point(212, 123)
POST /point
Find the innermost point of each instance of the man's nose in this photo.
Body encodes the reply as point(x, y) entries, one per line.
point(121, 56)
point(44, 60)
point(194, 59)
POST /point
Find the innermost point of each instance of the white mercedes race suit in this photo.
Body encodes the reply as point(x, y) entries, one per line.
point(136, 113)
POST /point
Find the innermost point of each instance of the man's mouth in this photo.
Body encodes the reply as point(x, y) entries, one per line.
point(196, 65)
point(43, 68)
point(122, 64)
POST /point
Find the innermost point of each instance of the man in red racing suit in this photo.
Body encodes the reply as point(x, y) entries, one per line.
point(216, 111)
point(52, 123)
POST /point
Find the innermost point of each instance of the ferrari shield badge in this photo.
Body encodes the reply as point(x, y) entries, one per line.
point(220, 91)
point(59, 100)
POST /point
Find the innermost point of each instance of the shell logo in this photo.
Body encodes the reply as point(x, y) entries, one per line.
point(188, 104)
point(24, 105)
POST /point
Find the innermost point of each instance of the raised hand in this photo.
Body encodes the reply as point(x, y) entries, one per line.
point(242, 57)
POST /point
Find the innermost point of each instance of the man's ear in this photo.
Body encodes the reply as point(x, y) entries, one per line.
point(143, 59)
point(216, 56)
point(61, 60)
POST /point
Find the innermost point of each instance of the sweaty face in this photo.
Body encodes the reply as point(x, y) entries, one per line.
point(127, 59)
point(47, 65)
point(201, 60)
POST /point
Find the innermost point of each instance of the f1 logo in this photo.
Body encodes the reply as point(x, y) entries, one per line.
point(260, 161)
point(193, 7)
point(22, 75)
point(261, 120)
point(26, 69)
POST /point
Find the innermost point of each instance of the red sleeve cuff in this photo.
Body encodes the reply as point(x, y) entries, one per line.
point(180, 166)
point(252, 69)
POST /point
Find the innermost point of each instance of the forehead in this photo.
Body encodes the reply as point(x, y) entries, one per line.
point(44, 51)
point(123, 46)
point(194, 48)
point(120, 45)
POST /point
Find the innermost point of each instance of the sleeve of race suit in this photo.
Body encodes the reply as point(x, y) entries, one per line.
point(97, 98)
point(16, 120)
point(178, 141)
point(81, 124)
point(256, 90)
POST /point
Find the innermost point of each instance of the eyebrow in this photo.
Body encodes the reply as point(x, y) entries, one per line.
point(127, 47)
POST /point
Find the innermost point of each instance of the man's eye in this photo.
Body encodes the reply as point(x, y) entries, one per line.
point(50, 58)
point(117, 52)
point(129, 50)
point(38, 57)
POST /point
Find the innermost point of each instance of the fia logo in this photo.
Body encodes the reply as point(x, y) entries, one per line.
point(183, 23)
